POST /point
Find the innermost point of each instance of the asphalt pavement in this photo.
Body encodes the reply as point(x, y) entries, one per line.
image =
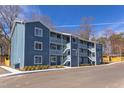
point(103, 76)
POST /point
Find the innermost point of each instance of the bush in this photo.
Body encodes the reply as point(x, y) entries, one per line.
point(60, 66)
point(24, 69)
point(29, 68)
point(33, 68)
point(36, 68)
point(40, 67)
point(45, 67)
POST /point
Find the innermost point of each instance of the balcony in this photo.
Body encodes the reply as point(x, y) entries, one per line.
point(83, 54)
point(55, 40)
point(55, 52)
point(82, 46)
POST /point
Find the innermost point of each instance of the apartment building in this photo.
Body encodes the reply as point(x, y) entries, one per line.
point(34, 43)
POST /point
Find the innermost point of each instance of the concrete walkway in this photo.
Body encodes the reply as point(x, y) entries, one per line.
point(10, 69)
point(17, 72)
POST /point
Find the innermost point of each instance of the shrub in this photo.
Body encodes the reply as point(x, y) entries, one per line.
point(29, 68)
point(59, 66)
point(24, 69)
point(33, 68)
point(36, 68)
point(47, 66)
point(40, 67)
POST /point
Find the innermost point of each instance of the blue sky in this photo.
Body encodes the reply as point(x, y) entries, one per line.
point(70, 16)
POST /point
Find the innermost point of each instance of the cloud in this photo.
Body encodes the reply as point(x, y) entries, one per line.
point(97, 24)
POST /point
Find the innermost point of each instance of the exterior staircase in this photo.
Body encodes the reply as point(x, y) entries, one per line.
point(91, 49)
point(92, 59)
point(67, 57)
point(67, 60)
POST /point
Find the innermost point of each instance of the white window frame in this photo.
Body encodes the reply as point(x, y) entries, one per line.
point(52, 60)
point(41, 59)
point(39, 43)
point(40, 29)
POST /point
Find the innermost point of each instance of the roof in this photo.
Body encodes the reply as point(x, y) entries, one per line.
point(68, 34)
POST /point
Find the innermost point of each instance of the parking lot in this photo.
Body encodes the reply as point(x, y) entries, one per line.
point(85, 77)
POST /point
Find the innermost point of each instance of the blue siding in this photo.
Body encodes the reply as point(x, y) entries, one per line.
point(17, 46)
point(29, 45)
point(98, 54)
point(74, 53)
point(59, 60)
point(22, 47)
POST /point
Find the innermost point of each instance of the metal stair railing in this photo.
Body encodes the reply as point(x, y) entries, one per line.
point(67, 59)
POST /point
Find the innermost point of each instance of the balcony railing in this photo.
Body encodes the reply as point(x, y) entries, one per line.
point(55, 52)
point(82, 46)
point(83, 54)
point(91, 49)
point(55, 40)
point(91, 58)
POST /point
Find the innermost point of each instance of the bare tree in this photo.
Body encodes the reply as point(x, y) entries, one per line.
point(107, 34)
point(117, 44)
point(8, 13)
point(43, 18)
point(85, 28)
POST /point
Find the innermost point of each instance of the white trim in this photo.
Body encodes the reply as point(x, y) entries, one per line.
point(55, 57)
point(95, 53)
point(39, 43)
point(70, 49)
point(24, 49)
point(40, 29)
point(49, 49)
point(78, 54)
point(41, 59)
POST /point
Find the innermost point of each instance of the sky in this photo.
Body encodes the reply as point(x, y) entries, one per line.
point(69, 17)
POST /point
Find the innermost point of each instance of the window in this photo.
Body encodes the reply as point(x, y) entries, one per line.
point(59, 47)
point(73, 39)
point(58, 36)
point(53, 58)
point(38, 45)
point(37, 59)
point(81, 50)
point(53, 35)
point(38, 32)
point(53, 46)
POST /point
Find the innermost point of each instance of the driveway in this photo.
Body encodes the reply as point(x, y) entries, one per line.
point(103, 76)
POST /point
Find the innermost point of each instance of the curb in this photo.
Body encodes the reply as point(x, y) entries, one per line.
point(28, 72)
